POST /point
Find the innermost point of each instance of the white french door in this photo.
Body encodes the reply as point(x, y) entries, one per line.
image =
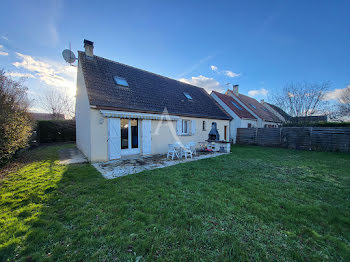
point(129, 136)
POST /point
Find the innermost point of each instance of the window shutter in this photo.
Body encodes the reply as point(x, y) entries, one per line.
point(178, 127)
point(193, 126)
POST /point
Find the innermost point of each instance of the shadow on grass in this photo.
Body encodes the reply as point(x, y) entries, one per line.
point(23, 194)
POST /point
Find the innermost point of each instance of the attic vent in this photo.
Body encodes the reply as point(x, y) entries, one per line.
point(120, 81)
point(187, 95)
point(253, 106)
point(236, 105)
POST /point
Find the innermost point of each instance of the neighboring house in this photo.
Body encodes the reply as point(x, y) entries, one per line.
point(286, 118)
point(46, 116)
point(245, 111)
point(278, 112)
point(122, 110)
point(241, 118)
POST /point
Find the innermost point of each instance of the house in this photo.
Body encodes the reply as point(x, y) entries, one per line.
point(277, 111)
point(241, 118)
point(122, 110)
point(245, 111)
point(286, 118)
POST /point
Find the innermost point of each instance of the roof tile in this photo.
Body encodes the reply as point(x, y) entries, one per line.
point(147, 92)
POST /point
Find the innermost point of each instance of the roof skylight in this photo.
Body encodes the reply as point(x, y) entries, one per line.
point(253, 106)
point(120, 81)
point(187, 95)
point(236, 105)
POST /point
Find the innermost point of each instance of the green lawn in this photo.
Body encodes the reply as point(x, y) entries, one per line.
point(256, 204)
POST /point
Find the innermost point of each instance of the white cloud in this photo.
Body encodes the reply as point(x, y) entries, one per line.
point(262, 92)
point(1, 46)
point(335, 94)
point(17, 74)
point(5, 38)
point(225, 72)
point(231, 74)
point(214, 68)
point(53, 74)
point(209, 84)
point(4, 53)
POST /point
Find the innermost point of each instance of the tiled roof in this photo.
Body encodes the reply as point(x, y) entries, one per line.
point(280, 111)
point(258, 108)
point(147, 92)
point(227, 99)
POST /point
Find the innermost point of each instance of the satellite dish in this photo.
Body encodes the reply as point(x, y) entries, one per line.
point(69, 56)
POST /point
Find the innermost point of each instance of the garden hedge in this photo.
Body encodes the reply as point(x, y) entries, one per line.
point(318, 124)
point(51, 131)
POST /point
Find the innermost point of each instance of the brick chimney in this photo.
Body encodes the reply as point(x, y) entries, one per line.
point(89, 48)
point(235, 89)
point(232, 92)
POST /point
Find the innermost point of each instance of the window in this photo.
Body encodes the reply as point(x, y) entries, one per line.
point(129, 134)
point(253, 106)
point(225, 133)
point(187, 95)
point(120, 81)
point(236, 105)
point(249, 125)
point(185, 126)
point(204, 126)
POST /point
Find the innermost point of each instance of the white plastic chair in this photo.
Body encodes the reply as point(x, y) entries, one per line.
point(192, 146)
point(186, 151)
point(172, 151)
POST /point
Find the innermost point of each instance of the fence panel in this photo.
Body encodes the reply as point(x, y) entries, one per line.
point(305, 138)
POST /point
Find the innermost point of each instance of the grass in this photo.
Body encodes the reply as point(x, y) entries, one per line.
point(256, 204)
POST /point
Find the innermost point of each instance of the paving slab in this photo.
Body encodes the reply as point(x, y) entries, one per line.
point(71, 156)
point(133, 165)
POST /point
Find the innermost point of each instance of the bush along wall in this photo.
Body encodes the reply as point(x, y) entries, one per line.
point(51, 131)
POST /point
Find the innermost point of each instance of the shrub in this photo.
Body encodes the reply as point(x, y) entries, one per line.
point(50, 131)
point(15, 124)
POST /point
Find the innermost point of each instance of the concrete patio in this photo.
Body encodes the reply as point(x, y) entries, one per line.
point(137, 164)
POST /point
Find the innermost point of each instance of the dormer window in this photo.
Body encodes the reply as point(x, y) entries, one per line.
point(121, 81)
point(187, 95)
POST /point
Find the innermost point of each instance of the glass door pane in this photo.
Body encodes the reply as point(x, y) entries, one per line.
point(134, 133)
point(124, 123)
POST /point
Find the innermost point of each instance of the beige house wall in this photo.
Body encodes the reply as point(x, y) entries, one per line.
point(162, 133)
point(82, 116)
point(99, 136)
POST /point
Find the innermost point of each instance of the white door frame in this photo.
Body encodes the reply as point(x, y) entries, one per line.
point(130, 150)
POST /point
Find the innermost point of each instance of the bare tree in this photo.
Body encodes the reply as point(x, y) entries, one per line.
point(344, 103)
point(58, 104)
point(301, 100)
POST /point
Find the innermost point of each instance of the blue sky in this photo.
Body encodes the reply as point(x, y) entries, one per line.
point(260, 45)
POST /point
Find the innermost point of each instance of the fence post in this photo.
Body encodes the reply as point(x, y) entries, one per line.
point(281, 136)
point(310, 138)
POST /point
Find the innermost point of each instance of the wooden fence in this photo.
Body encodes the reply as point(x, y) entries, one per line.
point(307, 138)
